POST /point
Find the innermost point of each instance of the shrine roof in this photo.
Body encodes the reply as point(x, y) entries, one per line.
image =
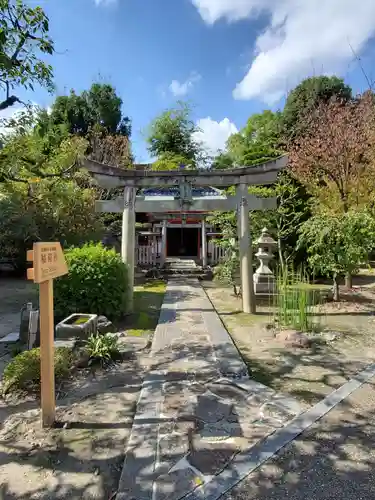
point(171, 192)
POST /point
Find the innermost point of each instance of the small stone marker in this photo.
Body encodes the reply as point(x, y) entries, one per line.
point(49, 263)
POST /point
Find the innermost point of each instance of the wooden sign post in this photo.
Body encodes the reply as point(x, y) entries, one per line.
point(49, 263)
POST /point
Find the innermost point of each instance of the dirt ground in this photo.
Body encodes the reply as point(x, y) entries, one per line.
point(82, 457)
point(346, 344)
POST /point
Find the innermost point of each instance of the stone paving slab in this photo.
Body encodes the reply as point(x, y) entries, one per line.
point(198, 410)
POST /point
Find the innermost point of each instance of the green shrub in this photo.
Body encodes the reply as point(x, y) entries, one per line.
point(23, 372)
point(102, 348)
point(97, 283)
point(227, 270)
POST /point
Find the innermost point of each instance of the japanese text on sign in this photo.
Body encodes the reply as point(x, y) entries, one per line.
point(48, 257)
point(49, 261)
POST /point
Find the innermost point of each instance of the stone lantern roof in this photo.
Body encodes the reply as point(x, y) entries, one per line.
point(265, 240)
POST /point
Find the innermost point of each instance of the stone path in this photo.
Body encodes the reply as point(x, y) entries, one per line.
point(199, 414)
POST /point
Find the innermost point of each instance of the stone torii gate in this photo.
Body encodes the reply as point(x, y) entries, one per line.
point(131, 180)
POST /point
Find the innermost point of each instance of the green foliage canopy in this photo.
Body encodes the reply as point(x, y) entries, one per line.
point(306, 97)
point(172, 134)
point(170, 161)
point(44, 195)
point(99, 106)
point(293, 208)
point(258, 142)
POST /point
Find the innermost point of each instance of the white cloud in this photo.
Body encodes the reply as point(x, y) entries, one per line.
point(105, 2)
point(232, 10)
point(213, 135)
point(180, 89)
point(301, 36)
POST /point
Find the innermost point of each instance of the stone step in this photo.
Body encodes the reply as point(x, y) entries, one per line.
point(181, 268)
point(195, 273)
point(180, 263)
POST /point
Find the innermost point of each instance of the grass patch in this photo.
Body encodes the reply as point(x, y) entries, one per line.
point(23, 372)
point(148, 300)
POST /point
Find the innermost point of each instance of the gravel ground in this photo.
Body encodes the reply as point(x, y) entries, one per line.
point(335, 459)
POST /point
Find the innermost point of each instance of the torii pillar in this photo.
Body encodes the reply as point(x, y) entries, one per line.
point(128, 240)
point(245, 251)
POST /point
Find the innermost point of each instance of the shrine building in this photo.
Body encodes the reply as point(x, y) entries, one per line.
point(176, 233)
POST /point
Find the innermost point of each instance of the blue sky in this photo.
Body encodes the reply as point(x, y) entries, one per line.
point(229, 58)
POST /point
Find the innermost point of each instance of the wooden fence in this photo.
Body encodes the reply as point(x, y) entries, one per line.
point(215, 252)
point(148, 255)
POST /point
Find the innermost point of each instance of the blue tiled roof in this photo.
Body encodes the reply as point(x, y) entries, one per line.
point(197, 192)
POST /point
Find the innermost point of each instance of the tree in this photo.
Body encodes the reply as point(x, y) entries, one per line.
point(58, 210)
point(71, 111)
point(44, 195)
point(172, 133)
point(170, 161)
point(284, 221)
point(226, 221)
point(96, 115)
point(334, 159)
point(26, 158)
point(104, 109)
point(23, 34)
point(258, 142)
point(304, 99)
point(338, 244)
point(99, 106)
point(222, 161)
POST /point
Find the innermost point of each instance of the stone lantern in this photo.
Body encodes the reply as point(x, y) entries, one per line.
point(264, 279)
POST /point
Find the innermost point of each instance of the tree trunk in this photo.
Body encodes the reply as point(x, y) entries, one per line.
point(281, 256)
point(335, 288)
point(349, 280)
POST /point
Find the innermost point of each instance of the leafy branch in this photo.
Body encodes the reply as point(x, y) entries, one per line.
point(23, 32)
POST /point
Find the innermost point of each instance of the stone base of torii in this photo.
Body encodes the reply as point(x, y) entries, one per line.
point(242, 201)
